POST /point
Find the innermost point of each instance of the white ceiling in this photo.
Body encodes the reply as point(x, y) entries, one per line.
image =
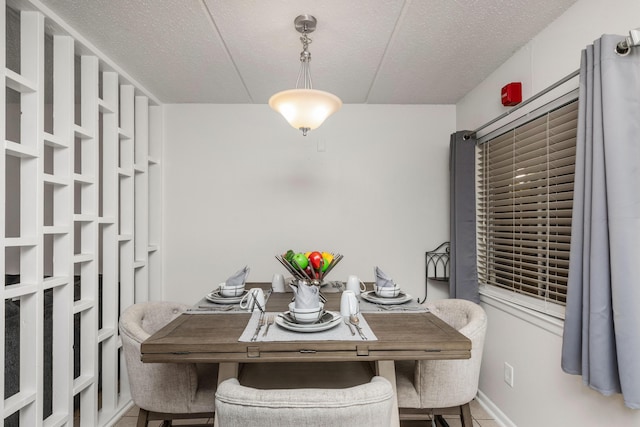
point(364, 51)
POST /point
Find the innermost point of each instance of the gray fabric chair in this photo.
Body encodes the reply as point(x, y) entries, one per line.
point(366, 405)
point(429, 388)
point(164, 391)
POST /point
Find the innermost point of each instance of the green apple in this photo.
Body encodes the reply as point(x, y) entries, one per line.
point(300, 261)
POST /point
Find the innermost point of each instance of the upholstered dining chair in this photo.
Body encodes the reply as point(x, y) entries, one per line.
point(365, 405)
point(431, 388)
point(164, 391)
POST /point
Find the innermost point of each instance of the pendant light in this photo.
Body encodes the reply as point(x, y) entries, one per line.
point(305, 108)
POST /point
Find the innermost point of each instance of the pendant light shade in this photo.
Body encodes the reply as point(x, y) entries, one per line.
point(305, 108)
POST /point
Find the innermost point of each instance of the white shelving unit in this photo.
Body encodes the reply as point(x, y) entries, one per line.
point(81, 185)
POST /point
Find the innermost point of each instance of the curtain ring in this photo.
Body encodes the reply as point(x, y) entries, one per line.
point(622, 48)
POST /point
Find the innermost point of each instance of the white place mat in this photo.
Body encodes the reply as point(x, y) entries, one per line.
point(340, 332)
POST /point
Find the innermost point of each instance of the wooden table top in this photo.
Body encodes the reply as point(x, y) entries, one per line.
point(214, 337)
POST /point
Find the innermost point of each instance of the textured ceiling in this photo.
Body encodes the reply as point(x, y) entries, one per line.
point(365, 51)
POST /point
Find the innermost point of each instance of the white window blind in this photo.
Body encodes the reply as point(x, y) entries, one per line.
point(525, 197)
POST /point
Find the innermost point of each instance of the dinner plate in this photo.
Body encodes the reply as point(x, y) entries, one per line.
point(214, 296)
point(328, 320)
point(372, 297)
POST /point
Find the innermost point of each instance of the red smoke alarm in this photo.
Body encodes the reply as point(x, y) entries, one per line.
point(511, 94)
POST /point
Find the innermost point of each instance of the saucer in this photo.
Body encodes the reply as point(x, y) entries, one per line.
point(372, 297)
point(327, 321)
point(214, 296)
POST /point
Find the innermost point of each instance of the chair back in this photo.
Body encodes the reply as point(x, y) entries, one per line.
point(445, 383)
point(157, 387)
point(366, 405)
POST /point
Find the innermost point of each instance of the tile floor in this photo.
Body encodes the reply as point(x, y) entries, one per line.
point(480, 419)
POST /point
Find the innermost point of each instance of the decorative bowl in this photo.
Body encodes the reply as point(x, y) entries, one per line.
point(306, 315)
point(387, 291)
point(230, 291)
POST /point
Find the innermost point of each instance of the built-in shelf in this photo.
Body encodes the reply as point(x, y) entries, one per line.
point(55, 180)
point(125, 172)
point(83, 218)
point(15, 242)
point(81, 132)
point(59, 182)
point(18, 150)
point(54, 282)
point(83, 179)
point(18, 82)
point(82, 382)
point(54, 141)
point(50, 229)
point(81, 258)
point(19, 290)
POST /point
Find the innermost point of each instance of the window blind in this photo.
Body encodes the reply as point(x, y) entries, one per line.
point(525, 197)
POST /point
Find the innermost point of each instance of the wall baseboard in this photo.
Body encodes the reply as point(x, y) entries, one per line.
point(493, 410)
point(119, 414)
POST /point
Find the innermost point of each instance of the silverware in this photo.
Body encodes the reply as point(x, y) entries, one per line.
point(356, 322)
point(260, 325)
point(270, 320)
point(346, 322)
point(399, 308)
point(209, 309)
point(216, 307)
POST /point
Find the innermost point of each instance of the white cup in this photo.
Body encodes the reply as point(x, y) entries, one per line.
point(253, 300)
point(277, 283)
point(355, 285)
point(349, 304)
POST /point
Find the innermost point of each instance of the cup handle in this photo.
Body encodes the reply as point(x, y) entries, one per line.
point(363, 287)
point(246, 300)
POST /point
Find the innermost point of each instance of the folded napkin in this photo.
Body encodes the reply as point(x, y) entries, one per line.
point(382, 280)
point(307, 296)
point(238, 278)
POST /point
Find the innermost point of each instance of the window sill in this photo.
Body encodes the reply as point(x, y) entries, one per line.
point(496, 299)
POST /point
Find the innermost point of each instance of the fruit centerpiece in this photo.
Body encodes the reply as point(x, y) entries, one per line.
point(310, 266)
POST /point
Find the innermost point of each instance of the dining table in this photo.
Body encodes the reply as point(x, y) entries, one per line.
point(214, 337)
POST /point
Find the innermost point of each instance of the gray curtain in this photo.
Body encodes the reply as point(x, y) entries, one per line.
point(463, 273)
point(602, 325)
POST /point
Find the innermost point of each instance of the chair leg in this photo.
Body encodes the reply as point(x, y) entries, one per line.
point(439, 421)
point(465, 415)
point(143, 418)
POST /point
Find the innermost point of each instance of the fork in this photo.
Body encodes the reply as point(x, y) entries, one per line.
point(270, 320)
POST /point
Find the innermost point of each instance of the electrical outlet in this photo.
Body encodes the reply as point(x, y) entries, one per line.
point(508, 374)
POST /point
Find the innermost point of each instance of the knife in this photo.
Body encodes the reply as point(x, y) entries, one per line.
point(260, 325)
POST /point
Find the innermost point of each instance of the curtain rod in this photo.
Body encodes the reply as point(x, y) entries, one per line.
point(622, 48)
point(565, 79)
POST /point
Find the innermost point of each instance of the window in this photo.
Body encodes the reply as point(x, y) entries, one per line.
point(525, 197)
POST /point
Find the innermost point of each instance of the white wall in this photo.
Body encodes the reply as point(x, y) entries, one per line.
point(542, 393)
point(241, 185)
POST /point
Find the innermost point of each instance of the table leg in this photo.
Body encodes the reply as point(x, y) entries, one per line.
point(387, 369)
point(226, 371)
